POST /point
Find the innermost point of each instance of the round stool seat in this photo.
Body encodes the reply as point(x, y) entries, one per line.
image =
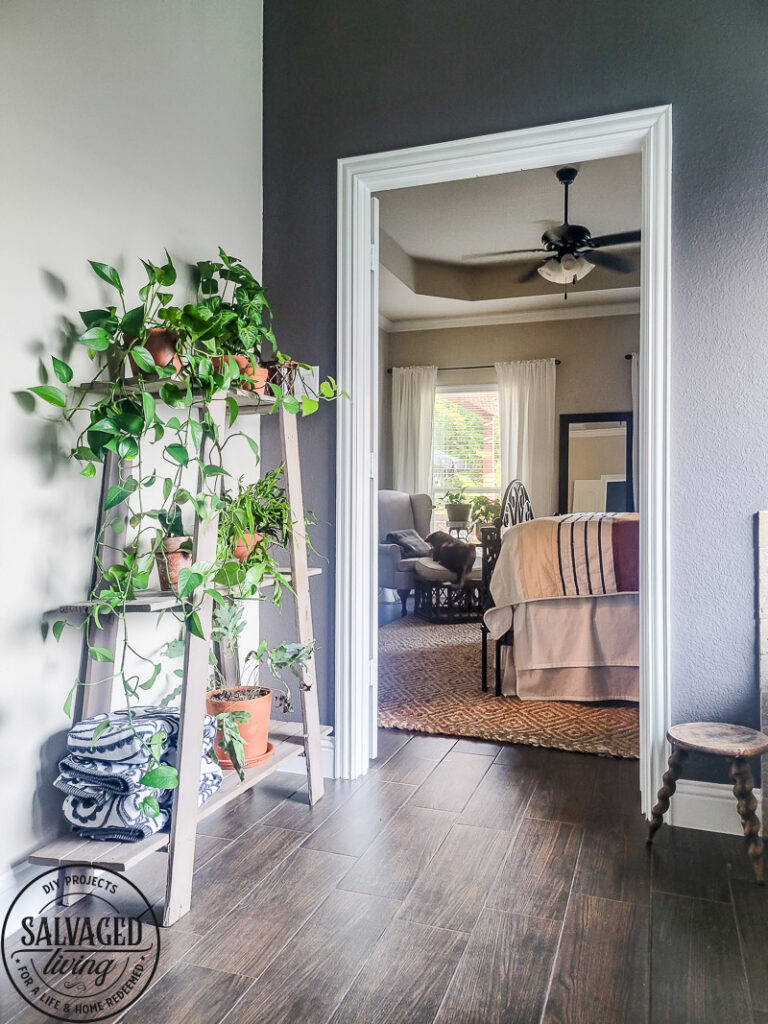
point(718, 738)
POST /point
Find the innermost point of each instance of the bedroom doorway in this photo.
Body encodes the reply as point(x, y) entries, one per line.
point(643, 132)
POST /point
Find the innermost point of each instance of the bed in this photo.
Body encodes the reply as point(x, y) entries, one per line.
point(566, 588)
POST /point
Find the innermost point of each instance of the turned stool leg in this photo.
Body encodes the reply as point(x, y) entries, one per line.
point(670, 777)
point(742, 790)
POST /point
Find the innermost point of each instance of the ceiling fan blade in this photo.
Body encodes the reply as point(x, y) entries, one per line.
point(530, 274)
point(619, 238)
point(608, 260)
point(505, 252)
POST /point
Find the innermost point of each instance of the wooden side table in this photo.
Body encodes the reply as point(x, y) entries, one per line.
point(736, 744)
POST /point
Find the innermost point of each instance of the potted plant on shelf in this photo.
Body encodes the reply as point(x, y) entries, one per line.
point(485, 510)
point(175, 549)
point(457, 508)
point(242, 712)
point(257, 512)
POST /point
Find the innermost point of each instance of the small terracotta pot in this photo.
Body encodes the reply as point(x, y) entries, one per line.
point(171, 559)
point(255, 732)
point(161, 345)
point(245, 545)
point(258, 374)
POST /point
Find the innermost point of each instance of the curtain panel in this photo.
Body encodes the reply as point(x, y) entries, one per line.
point(413, 414)
point(527, 429)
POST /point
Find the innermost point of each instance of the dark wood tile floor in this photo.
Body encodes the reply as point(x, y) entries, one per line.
point(459, 883)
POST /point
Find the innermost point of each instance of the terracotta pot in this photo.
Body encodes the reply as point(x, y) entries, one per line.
point(161, 345)
point(258, 374)
point(245, 545)
point(171, 559)
point(255, 732)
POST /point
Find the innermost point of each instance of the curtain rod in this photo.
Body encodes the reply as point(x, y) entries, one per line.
point(488, 366)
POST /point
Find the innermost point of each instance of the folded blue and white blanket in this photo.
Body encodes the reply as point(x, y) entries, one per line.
point(127, 736)
point(120, 818)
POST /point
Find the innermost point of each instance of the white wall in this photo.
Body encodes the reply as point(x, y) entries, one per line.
point(126, 127)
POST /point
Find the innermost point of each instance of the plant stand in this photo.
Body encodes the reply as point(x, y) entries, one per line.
point(289, 738)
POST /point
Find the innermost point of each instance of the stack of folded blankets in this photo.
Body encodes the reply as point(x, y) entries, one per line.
point(101, 776)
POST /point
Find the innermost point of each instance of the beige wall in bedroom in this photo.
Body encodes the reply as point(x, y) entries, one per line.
point(593, 376)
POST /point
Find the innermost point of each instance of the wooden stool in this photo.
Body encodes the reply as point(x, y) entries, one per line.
point(735, 743)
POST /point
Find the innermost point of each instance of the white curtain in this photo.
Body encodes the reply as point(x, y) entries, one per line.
point(635, 365)
point(527, 429)
point(413, 414)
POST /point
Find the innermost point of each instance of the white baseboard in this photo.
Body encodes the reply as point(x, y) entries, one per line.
point(298, 765)
point(710, 806)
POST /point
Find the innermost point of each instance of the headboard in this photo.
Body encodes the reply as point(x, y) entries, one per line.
point(515, 506)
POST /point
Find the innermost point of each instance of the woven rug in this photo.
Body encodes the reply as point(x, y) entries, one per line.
point(429, 681)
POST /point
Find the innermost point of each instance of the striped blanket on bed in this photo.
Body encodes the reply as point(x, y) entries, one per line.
point(588, 554)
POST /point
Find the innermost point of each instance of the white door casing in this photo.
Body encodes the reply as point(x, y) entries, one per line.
point(648, 132)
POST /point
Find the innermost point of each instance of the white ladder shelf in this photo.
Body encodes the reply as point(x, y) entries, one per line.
point(289, 738)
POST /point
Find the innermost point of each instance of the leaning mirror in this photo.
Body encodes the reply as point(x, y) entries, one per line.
point(595, 462)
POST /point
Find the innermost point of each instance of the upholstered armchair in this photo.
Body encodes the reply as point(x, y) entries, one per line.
point(400, 511)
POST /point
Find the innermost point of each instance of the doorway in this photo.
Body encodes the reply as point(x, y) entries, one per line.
point(647, 132)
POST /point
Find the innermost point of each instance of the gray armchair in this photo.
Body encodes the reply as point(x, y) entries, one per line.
point(400, 511)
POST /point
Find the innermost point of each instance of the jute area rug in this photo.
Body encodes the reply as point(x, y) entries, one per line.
point(429, 681)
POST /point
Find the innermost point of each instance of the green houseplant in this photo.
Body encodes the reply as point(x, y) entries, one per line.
point(257, 512)
point(175, 549)
point(457, 508)
point(485, 510)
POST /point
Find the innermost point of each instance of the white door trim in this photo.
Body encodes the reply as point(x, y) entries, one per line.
point(648, 132)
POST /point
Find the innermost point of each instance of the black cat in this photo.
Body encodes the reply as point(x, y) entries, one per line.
point(457, 556)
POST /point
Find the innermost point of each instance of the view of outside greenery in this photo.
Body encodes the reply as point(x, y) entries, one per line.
point(466, 443)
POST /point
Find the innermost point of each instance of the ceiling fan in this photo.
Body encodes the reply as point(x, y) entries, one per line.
point(570, 251)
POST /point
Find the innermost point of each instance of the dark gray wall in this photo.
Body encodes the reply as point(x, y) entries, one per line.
point(361, 76)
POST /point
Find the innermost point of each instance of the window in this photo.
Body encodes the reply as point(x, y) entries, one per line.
point(465, 443)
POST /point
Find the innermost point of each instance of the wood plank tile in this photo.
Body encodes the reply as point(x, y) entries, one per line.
point(405, 977)
point(176, 998)
point(536, 879)
point(394, 861)
point(452, 783)
point(564, 788)
point(615, 862)
point(271, 914)
point(388, 743)
point(313, 974)
point(696, 965)
point(452, 889)
point(500, 798)
point(238, 816)
point(689, 862)
point(751, 904)
point(407, 767)
point(296, 812)
point(737, 862)
point(522, 756)
point(760, 1016)
point(352, 828)
point(223, 882)
point(484, 747)
point(502, 977)
point(617, 786)
point(432, 747)
point(601, 974)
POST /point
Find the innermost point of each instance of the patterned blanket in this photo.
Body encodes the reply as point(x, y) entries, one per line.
point(126, 738)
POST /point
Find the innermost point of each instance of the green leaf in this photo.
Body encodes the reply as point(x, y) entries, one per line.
point(234, 409)
point(148, 405)
point(166, 276)
point(157, 739)
point(132, 322)
point(188, 580)
point(115, 496)
point(100, 654)
point(326, 389)
point(167, 488)
point(89, 470)
point(196, 430)
point(143, 359)
point(178, 453)
point(172, 395)
point(99, 730)
point(214, 471)
point(96, 338)
point(162, 777)
point(50, 393)
point(107, 273)
point(309, 405)
point(291, 404)
point(70, 697)
point(254, 447)
point(58, 628)
point(62, 370)
point(128, 448)
point(194, 626)
point(229, 574)
point(150, 806)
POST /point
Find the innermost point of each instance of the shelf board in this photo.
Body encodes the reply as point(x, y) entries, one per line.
point(288, 740)
point(156, 600)
point(248, 402)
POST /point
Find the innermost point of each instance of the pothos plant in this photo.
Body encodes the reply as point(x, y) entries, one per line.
point(156, 420)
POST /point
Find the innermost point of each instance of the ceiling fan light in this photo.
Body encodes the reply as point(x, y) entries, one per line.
point(565, 270)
